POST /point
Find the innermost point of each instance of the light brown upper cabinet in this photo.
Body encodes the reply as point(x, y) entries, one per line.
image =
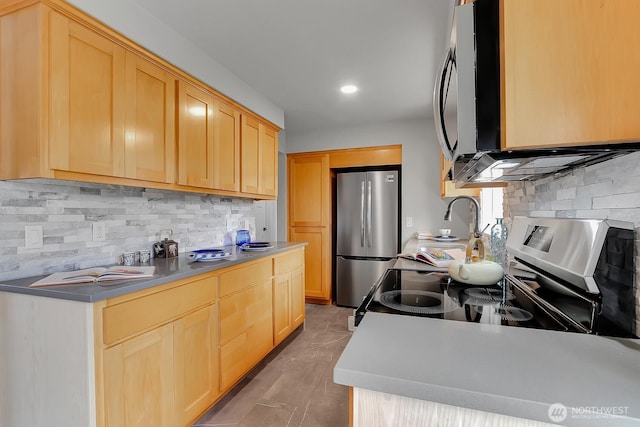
point(87, 82)
point(208, 141)
point(83, 103)
point(195, 136)
point(569, 72)
point(112, 112)
point(259, 154)
point(226, 146)
point(309, 190)
point(150, 135)
point(269, 161)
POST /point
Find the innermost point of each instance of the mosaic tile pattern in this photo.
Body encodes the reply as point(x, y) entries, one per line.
point(133, 218)
point(608, 190)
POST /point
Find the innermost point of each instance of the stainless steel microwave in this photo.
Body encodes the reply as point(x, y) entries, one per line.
point(471, 70)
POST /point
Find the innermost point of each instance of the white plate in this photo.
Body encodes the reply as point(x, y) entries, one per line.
point(264, 248)
point(256, 246)
point(212, 257)
point(445, 239)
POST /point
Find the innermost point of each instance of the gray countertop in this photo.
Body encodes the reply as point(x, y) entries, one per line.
point(167, 270)
point(494, 368)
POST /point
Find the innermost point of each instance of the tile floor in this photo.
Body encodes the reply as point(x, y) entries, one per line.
point(294, 385)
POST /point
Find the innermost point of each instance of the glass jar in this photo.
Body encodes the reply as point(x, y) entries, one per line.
point(242, 237)
point(499, 235)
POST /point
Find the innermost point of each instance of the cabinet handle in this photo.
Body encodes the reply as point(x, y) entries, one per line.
point(369, 213)
point(362, 214)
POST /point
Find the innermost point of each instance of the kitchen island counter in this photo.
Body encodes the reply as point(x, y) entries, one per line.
point(167, 270)
point(517, 372)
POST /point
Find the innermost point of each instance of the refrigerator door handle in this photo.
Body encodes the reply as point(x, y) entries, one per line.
point(369, 213)
point(362, 214)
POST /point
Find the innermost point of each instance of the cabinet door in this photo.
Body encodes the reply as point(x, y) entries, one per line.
point(87, 93)
point(268, 161)
point(150, 121)
point(259, 154)
point(196, 363)
point(317, 260)
point(195, 136)
point(139, 381)
point(297, 297)
point(566, 72)
point(309, 192)
point(282, 325)
point(250, 155)
point(226, 147)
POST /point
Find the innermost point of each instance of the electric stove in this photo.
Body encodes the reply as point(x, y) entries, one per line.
point(565, 275)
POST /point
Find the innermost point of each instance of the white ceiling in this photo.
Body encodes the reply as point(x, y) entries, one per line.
point(297, 53)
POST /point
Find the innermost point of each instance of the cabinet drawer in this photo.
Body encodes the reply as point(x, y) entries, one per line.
point(136, 315)
point(241, 311)
point(243, 352)
point(288, 262)
point(244, 277)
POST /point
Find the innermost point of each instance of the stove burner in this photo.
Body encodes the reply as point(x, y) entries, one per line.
point(513, 314)
point(418, 302)
point(478, 296)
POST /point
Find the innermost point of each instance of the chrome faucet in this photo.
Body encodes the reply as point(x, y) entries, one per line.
point(476, 228)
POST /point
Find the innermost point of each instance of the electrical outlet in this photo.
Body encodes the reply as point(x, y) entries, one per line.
point(409, 221)
point(99, 230)
point(33, 238)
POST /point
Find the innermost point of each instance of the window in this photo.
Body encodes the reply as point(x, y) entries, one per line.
point(491, 200)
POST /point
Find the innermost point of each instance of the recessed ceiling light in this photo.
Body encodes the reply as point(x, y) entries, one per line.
point(349, 89)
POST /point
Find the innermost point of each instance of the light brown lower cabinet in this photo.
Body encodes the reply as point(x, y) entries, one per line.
point(288, 294)
point(195, 337)
point(139, 380)
point(317, 261)
point(159, 354)
point(245, 331)
point(165, 355)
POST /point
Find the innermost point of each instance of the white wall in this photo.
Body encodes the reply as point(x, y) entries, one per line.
point(420, 168)
point(136, 23)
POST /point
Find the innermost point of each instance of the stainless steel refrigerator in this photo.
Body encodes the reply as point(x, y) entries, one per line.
point(366, 231)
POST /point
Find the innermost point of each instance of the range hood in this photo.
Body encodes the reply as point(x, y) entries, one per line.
point(510, 166)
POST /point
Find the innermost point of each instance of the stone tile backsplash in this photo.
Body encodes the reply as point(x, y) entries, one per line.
point(608, 190)
point(133, 218)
